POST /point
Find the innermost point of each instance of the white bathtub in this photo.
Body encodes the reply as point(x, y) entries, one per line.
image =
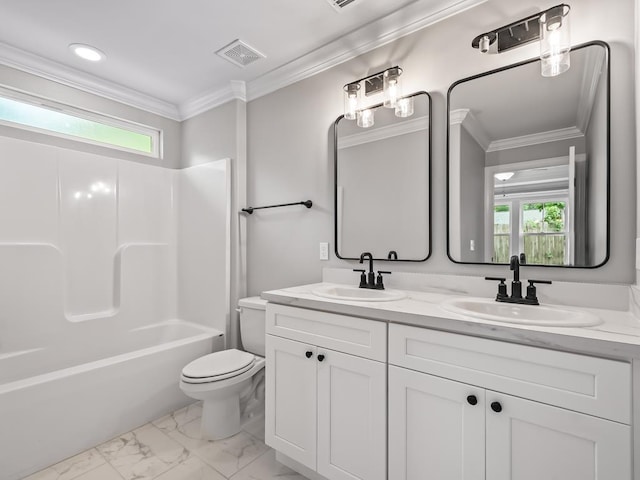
point(60, 400)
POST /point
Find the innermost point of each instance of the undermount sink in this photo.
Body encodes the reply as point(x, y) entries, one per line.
point(551, 316)
point(355, 294)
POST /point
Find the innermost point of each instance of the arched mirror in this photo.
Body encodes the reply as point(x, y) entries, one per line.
point(528, 164)
point(382, 185)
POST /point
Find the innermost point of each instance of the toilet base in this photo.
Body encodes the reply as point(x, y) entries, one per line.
point(220, 417)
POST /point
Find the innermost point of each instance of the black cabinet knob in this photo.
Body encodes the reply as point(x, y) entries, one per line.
point(320, 357)
point(472, 400)
point(496, 407)
point(309, 354)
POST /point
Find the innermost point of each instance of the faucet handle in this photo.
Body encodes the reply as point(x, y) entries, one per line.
point(379, 284)
point(363, 277)
point(502, 287)
point(532, 296)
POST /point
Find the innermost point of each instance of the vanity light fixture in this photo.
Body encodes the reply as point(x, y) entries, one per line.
point(404, 107)
point(550, 27)
point(387, 82)
point(87, 52)
point(392, 86)
point(365, 118)
point(351, 100)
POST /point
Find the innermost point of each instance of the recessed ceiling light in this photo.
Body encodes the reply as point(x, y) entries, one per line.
point(87, 52)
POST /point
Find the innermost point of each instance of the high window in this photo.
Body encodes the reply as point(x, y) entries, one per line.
point(34, 114)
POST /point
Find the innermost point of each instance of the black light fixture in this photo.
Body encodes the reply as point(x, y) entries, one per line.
point(388, 82)
point(550, 27)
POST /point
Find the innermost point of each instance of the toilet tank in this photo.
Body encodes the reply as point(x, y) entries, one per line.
point(252, 324)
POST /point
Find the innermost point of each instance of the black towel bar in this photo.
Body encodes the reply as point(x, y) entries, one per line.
point(306, 203)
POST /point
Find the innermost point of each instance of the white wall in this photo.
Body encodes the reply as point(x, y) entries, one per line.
point(472, 158)
point(596, 142)
point(384, 198)
point(290, 139)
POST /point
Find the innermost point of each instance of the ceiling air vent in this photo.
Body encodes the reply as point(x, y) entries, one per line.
point(339, 4)
point(239, 53)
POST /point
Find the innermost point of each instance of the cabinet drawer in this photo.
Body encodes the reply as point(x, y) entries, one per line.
point(357, 336)
point(582, 383)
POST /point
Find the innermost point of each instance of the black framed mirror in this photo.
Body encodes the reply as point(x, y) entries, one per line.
point(528, 164)
point(382, 185)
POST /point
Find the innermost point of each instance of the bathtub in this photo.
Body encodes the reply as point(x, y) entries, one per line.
point(60, 400)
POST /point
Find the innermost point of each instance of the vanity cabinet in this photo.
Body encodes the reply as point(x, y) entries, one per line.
point(326, 392)
point(465, 408)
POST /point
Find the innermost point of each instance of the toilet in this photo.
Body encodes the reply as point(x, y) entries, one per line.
point(230, 381)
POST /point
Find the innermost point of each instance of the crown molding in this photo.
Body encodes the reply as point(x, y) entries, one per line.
point(381, 133)
point(535, 138)
point(465, 117)
point(422, 13)
point(34, 64)
point(236, 90)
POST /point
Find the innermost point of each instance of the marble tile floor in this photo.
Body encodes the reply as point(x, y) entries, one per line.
point(171, 449)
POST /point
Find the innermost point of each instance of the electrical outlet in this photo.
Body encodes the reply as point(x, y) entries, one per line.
point(472, 245)
point(324, 251)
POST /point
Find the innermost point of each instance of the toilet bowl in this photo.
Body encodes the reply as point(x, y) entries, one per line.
point(227, 381)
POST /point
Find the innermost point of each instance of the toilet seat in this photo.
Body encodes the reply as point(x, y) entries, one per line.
point(218, 366)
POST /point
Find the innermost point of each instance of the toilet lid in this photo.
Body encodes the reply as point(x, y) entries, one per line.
point(226, 363)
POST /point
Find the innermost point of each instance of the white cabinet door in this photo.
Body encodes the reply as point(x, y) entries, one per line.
point(352, 411)
point(532, 441)
point(290, 424)
point(435, 430)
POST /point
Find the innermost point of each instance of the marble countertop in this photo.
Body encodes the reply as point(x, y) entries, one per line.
point(618, 336)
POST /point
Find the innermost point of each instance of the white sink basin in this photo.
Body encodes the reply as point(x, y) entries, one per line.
point(355, 294)
point(551, 316)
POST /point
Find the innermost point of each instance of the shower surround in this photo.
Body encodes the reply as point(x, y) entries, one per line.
point(93, 329)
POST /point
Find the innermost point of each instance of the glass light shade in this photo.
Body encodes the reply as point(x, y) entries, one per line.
point(365, 118)
point(392, 86)
point(351, 100)
point(504, 176)
point(555, 41)
point(404, 107)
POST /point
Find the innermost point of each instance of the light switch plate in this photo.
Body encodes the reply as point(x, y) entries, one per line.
point(324, 251)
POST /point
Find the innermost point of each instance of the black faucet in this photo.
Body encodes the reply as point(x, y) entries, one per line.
point(516, 286)
point(371, 277)
point(392, 255)
point(369, 280)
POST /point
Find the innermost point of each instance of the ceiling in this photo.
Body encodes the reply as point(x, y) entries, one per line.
point(161, 53)
point(518, 102)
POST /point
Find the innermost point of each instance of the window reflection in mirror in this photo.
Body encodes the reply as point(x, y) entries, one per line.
point(382, 185)
point(528, 164)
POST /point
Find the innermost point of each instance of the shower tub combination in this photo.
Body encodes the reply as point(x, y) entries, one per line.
point(60, 400)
